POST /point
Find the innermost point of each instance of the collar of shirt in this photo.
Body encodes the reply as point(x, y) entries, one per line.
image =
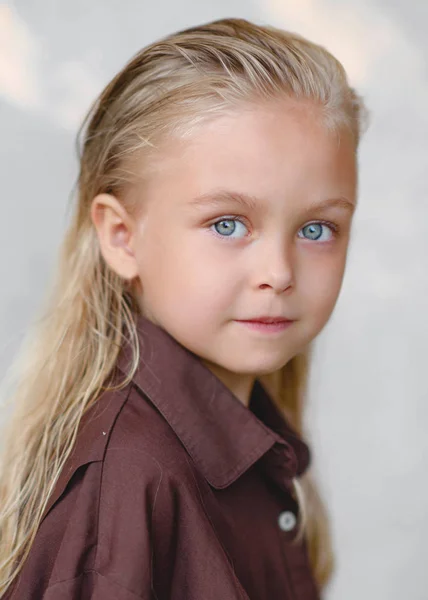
point(223, 437)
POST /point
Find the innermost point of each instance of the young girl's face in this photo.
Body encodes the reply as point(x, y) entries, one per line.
point(249, 217)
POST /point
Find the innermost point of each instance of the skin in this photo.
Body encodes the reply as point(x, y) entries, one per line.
point(195, 281)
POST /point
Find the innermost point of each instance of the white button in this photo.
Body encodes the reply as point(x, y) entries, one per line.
point(287, 520)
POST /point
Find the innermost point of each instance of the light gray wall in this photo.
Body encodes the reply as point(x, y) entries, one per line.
point(367, 414)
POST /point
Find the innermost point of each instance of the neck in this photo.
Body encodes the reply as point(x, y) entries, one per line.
point(240, 385)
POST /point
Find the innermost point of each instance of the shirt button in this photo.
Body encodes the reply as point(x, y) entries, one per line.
point(287, 521)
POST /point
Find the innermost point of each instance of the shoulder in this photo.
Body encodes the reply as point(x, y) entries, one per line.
point(143, 459)
point(145, 466)
point(141, 431)
point(128, 439)
point(118, 497)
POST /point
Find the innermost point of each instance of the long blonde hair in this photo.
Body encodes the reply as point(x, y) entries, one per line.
point(166, 89)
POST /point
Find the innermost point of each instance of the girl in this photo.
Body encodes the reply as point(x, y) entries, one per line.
point(156, 448)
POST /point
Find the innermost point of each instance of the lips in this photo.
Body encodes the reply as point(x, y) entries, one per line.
point(267, 320)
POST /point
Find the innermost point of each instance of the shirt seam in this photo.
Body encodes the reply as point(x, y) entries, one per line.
point(84, 572)
point(101, 480)
point(152, 588)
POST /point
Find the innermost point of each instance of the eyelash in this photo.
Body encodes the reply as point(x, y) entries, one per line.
point(333, 226)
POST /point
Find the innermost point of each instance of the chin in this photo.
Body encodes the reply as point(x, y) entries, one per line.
point(258, 367)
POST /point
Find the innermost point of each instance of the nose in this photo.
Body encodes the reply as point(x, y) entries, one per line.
point(275, 267)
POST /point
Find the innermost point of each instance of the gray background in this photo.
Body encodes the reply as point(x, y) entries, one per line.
point(367, 414)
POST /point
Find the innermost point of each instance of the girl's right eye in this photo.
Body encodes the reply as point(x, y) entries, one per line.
point(227, 227)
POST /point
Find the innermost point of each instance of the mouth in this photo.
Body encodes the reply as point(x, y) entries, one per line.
point(267, 320)
point(267, 324)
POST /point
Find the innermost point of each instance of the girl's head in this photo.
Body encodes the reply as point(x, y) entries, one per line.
point(223, 164)
point(217, 184)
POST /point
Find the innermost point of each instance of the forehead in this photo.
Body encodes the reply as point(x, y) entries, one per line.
point(261, 149)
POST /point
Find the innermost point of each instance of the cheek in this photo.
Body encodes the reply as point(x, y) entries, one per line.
point(175, 270)
point(322, 285)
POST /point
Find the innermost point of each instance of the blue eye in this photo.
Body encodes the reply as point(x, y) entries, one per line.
point(315, 231)
point(227, 227)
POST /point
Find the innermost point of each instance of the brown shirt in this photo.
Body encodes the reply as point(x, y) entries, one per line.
point(175, 490)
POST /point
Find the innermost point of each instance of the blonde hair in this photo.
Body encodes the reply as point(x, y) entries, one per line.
point(166, 89)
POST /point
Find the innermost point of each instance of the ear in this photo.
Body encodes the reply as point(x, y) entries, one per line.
point(115, 229)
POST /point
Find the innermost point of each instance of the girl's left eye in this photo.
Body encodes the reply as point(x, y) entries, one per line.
point(314, 231)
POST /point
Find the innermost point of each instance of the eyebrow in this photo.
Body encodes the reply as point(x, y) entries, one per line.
point(250, 202)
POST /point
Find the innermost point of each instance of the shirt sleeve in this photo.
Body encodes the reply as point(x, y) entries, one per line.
point(116, 563)
point(90, 585)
